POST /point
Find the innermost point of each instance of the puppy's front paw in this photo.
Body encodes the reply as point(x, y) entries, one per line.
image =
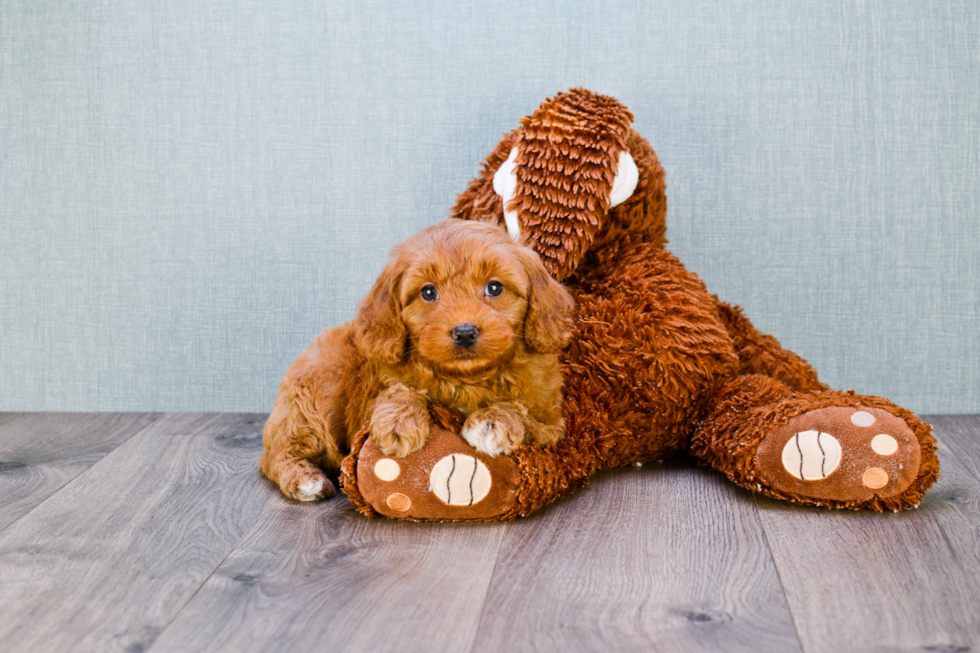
point(398, 434)
point(494, 430)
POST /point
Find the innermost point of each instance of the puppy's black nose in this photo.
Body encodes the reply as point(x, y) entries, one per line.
point(465, 335)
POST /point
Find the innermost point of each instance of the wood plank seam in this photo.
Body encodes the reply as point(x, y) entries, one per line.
point(178, 494)
point(486, 593)
point(631, 563)
point(775, 566)
point(176, 614)
point(154, 417)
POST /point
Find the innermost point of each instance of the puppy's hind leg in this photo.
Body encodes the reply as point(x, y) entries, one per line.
point(297, 442)
point(298, 478)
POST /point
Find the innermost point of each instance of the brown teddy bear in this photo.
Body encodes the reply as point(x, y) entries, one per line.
point(657, 364)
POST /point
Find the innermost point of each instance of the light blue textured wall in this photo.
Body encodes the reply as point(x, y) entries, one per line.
point(190, 191)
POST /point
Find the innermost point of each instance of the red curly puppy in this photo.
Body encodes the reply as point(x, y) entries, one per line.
point(460, 316)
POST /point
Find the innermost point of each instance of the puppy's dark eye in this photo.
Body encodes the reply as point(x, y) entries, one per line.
point(429, 293)
point(494, 288)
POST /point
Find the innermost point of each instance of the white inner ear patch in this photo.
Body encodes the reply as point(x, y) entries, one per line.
point(505, 185)
point(626, 179)
point(811, 455)
point(460, 480)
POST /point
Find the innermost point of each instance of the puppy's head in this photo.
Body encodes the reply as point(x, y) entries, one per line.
point(462, 298)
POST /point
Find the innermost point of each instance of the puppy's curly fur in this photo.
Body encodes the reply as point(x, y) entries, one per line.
point(460, 316)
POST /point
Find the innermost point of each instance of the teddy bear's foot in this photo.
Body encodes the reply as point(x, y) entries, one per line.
point(446, 480)
point(450, 480)
point(849, 454)
point(830, 449)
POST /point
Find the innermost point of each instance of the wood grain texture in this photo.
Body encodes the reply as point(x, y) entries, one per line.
point(665, 558)
point(323, 578)
point(106, 563)
point(41, 452)
point(889, 582)
point(172, 541)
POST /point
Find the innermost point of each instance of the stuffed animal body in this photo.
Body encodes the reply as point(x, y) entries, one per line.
point(657, 365)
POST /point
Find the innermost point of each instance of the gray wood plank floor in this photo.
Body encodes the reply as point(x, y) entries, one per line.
point(156, 533)
point(35, 461)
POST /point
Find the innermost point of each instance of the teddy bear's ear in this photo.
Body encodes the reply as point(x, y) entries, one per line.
point(505, 185)
point(557, 177)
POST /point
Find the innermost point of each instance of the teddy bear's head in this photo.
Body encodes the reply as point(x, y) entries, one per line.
point(574, 178)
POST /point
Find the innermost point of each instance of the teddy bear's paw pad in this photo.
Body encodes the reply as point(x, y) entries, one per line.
point(840, 454)
point(447, 479)
point(460, 480)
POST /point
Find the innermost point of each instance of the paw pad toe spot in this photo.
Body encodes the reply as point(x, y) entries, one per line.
point(398, 501)
point(862, 418)
point(387, 469)
point(884, 444)
point(875, 478)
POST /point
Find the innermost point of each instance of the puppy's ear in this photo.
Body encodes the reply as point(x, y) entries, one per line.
point(379, 331)
point(550, 308)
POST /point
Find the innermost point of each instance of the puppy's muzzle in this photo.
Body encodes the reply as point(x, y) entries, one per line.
point(465, 335)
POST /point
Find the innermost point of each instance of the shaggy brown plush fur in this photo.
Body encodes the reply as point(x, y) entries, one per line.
point(460, 317)
point(657, 365)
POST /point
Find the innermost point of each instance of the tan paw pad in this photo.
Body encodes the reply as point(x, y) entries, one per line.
point(460, 480)
point(811, 455)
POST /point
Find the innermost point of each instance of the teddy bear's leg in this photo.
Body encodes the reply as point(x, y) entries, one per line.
point(760, 353)
point(827, 448)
